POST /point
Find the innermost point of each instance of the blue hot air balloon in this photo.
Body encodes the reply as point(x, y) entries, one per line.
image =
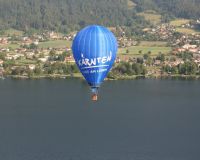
point(94, 49)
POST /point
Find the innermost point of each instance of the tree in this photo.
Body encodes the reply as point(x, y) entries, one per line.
point(37, 71)
point(188, 68)
point(127, 51)
point(149, 61)
point(2, 56)
point(149, 52)
point(52, 52)
point(140, 60)
point(140, 51)
point(186, 56)
point(33, 46)
point(161, 57)
point(146, 56)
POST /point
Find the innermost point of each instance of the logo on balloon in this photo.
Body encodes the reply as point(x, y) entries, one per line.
point(86, 63)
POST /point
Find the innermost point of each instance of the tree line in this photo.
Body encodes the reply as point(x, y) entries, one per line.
point(171, 8)
point(63, 15)
point(69, 15)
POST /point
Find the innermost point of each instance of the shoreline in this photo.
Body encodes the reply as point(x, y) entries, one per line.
point(134, 77)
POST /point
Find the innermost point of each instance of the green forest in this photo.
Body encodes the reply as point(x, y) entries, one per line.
point(176, 8)
point(63, 15)
point(70, 15)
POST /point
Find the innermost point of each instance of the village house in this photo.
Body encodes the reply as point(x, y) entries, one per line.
point(45, 51)
point(20, 50)
point(1, 62)
point(36, 42)
point(60, 50)
point(53, 35)
point(177, 62)
point(188, 46)
point(4, 50)
point(29, 55)
point(68, 49)
point(69, 59)
point(193, 50)
point(39, 38)
point(3, 40)
point(31, 66)
point(1, 72)
point(26, 41)
point(174, 63)
point(68, 37)
point(45, 59)
point(13, 56)
point(118, 60)
point(197, 61)
point(181, 50)
point(157, 63)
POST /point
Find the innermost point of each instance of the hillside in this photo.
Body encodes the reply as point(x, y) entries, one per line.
point(177, 8)
point(70, 15)
point(64, 15)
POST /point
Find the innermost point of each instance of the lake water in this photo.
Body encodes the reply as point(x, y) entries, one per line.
point(133, 120)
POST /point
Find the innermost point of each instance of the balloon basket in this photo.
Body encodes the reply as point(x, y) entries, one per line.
point(94, 93)
point(94, 97)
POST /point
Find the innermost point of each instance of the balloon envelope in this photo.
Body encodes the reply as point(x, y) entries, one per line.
point(94, 49)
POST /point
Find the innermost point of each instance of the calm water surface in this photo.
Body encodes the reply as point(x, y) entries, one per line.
point(134, 120)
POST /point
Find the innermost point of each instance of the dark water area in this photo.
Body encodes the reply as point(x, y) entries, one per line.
point(133, 120)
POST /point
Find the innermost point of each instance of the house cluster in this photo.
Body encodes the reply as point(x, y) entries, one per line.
point(31, 54)
point(193, 24)
point(28, 59)
point(174, 63)
point(55, 36)
point(69, 59)
point(123, 40)
point(1, 62)
point(28, 41)
point(163, 31)
point(189, 25)
point(126, 42)
point(186, 39)
point(69, 37)
point(3, 40)
point(189, 48)
point(1, 68)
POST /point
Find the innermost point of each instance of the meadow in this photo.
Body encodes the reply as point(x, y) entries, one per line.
point(140, 50)
point(151, 16)
point(187, 31)
point(179, 22)
point(55, 44)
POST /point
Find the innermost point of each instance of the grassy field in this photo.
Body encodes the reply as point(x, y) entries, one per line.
point(48, 44)
point(187, 31)
point(151, 16)
point(153, 43)
point(155, 47)
point(135, 50)
point(179, 22)
point(55, 44)
point(13, 32)
point(12, 46)
point(25, 62)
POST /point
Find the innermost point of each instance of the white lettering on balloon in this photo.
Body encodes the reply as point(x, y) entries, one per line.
point(98, 62)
